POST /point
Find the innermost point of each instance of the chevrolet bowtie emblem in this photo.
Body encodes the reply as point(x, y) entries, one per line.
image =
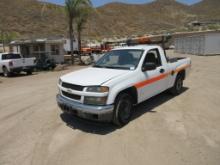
point(69, 90)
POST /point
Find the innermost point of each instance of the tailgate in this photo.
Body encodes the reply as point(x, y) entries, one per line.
point(28, 62)
point(17, 63)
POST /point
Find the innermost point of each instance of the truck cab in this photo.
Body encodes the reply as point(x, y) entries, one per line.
point(121, 79)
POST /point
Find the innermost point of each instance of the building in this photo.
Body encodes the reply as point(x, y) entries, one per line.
point(200, 43)
point(52, 49)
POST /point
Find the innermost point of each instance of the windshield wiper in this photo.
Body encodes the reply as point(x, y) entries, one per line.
point(98, 66)
point(117, 67)
point(111, 67)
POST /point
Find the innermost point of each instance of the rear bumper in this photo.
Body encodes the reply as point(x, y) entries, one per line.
point(19, 69)
point(97, 113)
point(28, 68)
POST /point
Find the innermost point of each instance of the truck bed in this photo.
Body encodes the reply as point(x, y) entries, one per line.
point(175, 59)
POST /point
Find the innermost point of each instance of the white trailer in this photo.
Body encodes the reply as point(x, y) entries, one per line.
point(67, 46)
point(40, 49)
point(199, 44)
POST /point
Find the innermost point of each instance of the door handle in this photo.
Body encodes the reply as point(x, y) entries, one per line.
point(162, 70)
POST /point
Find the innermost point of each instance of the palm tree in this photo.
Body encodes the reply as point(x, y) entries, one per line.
point(72, 8)
point(80, 22)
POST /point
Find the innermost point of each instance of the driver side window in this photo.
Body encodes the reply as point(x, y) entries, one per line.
point(153, 56)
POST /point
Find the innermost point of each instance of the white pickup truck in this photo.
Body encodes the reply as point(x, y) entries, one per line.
point(14, 63)
point(122, 78)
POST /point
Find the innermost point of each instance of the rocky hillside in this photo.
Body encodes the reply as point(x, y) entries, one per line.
point(207, 9)
point(124, 19)
point(31, 18)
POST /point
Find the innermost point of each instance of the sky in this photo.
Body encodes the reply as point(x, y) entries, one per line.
point(97, 3)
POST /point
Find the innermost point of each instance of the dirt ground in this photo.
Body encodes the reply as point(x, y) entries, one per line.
point(165, 130)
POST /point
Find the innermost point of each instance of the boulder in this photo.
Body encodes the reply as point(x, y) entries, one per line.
point(60, 67)
point(87, 60)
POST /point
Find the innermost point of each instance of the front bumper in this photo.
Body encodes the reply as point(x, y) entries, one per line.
point(97, 113)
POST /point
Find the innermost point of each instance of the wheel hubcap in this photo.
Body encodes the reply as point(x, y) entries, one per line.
point(5, 73)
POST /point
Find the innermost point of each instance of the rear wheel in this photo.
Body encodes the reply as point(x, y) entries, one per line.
point(6, 73)
point(123, 109)
point(178, 86)
point(29, 72)
point(18, 72)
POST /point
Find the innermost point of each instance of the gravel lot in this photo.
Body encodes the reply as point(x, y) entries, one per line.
point(165, 130)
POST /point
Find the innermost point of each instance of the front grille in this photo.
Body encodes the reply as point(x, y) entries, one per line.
point(72, 86)
point(72, 96)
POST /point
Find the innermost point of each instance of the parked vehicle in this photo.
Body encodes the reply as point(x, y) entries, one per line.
point(14, 63)
point(45, 64)
point(119, 80)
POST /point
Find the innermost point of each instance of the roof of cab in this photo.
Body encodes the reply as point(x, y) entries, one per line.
point(141, 47)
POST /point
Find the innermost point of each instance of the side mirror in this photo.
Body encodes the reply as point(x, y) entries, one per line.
point(149, 66)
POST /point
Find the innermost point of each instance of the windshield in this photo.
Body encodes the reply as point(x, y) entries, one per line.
point(10, 56)
point(127, 59)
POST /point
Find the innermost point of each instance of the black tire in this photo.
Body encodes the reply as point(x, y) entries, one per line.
point(29, 72)
point(123, 109)
point(6, 73)
point(178, 85)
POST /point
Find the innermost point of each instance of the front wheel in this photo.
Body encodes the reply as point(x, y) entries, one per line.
point(123, 109)
point(178, 86)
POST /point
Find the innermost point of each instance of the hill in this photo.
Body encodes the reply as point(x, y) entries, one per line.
point(207, 9)
point(125, 19)
point(31, 18)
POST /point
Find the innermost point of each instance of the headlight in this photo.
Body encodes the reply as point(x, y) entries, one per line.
point(60, 82)
point(95, 100)
point(98, 89)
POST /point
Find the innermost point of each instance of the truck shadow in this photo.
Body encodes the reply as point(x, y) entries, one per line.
point(150, 104)
point(106, 128)
point(19, 75)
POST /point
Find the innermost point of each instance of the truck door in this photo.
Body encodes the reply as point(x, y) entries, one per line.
point(154, 81)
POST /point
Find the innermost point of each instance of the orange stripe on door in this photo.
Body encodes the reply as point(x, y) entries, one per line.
point(160, 77)
point(150, 81)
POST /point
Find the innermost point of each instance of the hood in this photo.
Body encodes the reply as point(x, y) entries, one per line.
point(92, 76)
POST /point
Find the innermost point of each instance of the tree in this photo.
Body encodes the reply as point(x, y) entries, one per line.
point(72, 8)
point(7, 37)
point(2, 38)
point(80, 22)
